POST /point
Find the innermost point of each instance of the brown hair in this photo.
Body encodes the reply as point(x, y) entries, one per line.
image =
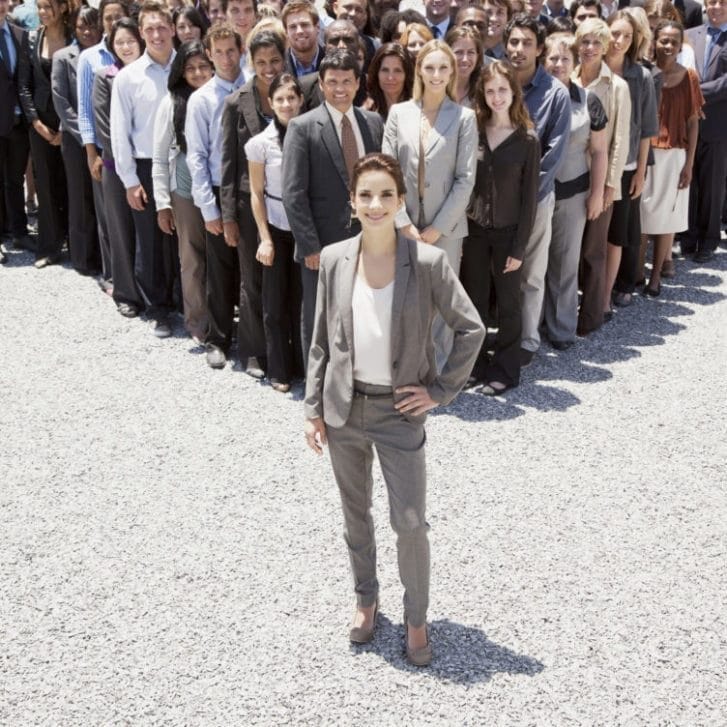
point(388, 50)
point(465, 32)
point(378, 162)
point(299, 6)
point(152, 7)
point(417, 28)
point(562, 40)
point(637, 38)
point(221, 31)
point(519, 115)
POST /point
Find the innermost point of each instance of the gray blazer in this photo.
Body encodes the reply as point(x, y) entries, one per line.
point(424, 284)
point(64, 87)
point(449, 155)
point(315, 181)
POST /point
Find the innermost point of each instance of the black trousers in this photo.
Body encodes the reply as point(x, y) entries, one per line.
point(484, 254)
point(628, 270)
point(50, 184)
point(222, 267)
point(281, 297)
point(152, 256)
point(122, 239)
point(14, 150)
point(706, 195)
point(82, 228)
point(102, 231)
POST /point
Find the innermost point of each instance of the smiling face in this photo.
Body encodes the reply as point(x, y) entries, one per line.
point(435, 72)
point(51, 13)
point(197, 71)
point(353, 10)
point(496, 20)
point(157, 33)
point(716, 12)
point(465, 51)
point(286, 103)
point(414, 43)
point(126, 46)
point(475, 18)
point(590, 50)
point(267, 63)
point(376, 201)
point(187, 30)
point(559, 63)
point(523, 50)
point(302, 32)
point(225, 57)
point(339, 88)
point(392, 76)
point(437, 11)
point(498, 94)
point(241, 16)
point(667, 45)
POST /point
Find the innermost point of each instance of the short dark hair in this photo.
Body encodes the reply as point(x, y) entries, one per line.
point(378, 162)
point(560, 24)
point(338, 60)
point(525, 22)
point(88, 16)
point(266, 39)
point(584, 3)
point(105, 3)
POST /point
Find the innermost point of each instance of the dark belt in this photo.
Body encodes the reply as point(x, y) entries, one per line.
point(372, 391)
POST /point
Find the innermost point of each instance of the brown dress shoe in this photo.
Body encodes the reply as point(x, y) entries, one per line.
point(421, 656)
point(362, 634)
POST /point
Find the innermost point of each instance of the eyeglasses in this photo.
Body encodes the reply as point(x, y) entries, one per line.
point(347, 39)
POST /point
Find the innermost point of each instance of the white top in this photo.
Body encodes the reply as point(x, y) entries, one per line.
point(372, 333)
point(164, 155)
point(264, 148)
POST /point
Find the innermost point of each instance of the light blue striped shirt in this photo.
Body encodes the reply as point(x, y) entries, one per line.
point(90, 60)
point(204, 141)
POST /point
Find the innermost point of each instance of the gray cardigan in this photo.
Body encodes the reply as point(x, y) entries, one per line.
point(424, 284)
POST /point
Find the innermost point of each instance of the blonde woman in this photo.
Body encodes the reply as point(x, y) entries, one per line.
point(434, 139)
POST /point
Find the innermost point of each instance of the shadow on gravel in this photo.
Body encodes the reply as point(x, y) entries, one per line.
point(462, 654)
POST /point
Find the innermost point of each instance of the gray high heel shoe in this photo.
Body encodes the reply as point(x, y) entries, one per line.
point(361, 634)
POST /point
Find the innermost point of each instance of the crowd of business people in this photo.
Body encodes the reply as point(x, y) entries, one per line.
point(199, 157)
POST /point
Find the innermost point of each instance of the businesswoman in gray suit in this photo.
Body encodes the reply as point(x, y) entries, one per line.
point(372, 378)
point(435, 140)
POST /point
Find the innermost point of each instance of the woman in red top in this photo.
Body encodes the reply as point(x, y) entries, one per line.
point(665, 200)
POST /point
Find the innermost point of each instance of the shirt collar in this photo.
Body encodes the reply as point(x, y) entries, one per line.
point(229, 86)
point(722, 28)
point(149, 61)
point(337, 116)
point(540, 76)
point(299, 66)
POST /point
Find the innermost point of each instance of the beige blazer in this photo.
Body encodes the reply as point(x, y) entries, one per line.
point(424, 283)
point(450, 157)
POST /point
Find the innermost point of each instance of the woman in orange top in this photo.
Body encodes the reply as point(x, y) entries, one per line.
point(665, 200)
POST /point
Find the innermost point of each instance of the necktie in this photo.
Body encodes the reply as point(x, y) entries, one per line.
point(348, 145)
point(714, 36)
point(4, 51)
point(436, 32)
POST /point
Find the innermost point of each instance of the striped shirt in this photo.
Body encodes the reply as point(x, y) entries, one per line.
point(93, 58)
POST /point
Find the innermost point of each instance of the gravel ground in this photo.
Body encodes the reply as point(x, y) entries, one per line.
point(172, 554)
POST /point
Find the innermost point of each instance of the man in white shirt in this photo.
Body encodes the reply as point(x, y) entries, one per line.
point(204, 145)
point(137, 90)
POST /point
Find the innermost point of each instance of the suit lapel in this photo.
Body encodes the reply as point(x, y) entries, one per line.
point(401, 282)
point(368, 140)
point(346, 283)
point(329, 137)
point(248, 108)
point(699, 48)
point(714, 58)
point(445, 118)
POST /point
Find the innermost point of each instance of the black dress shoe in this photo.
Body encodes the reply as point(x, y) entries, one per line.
point(526, 357)
point(652, 292)
point(126, 310)
point(703, 256)
point(161, 327)
point(561, 345)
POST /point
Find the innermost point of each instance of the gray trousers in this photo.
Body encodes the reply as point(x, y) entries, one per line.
point(532, 273)
point(374, 422)
point(561, 281)
point(442, 334)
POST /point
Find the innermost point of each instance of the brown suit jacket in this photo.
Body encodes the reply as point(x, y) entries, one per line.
point(424, 284)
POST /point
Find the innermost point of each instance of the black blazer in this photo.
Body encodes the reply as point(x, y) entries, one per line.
point(315, 181)
point(691, 11)
point(65, 89)
point(713, 84)
point(9, 84)
point(313, 96)
point(240, 122)
point(35, 92)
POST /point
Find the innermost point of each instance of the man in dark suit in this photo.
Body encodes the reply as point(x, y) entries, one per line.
point(710, 164)
point(14, 143)
point(691, 11)
point(320, 149)
point(301, 22)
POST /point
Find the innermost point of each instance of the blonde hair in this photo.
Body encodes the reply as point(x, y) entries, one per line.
point(642, 38)
point(597, 27)
point(431, 47)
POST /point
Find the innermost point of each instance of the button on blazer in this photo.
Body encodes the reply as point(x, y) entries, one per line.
point(424, 284)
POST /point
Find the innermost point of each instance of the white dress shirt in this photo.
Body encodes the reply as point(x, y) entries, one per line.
point(337, 117)
point(136, 94)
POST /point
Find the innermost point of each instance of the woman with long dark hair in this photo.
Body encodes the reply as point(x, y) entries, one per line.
point(390, 78)
point(83, 240)
point(281, 288)
point(127, 45)
point(501, 215)
point(466, 45)
point(172, 180)
point(189, 25)
point(36, 98)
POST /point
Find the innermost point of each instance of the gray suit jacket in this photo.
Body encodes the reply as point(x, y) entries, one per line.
point(424, 284)
point(65, 91)
point(449, 155)
point(713, 84)
point(315, 181)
